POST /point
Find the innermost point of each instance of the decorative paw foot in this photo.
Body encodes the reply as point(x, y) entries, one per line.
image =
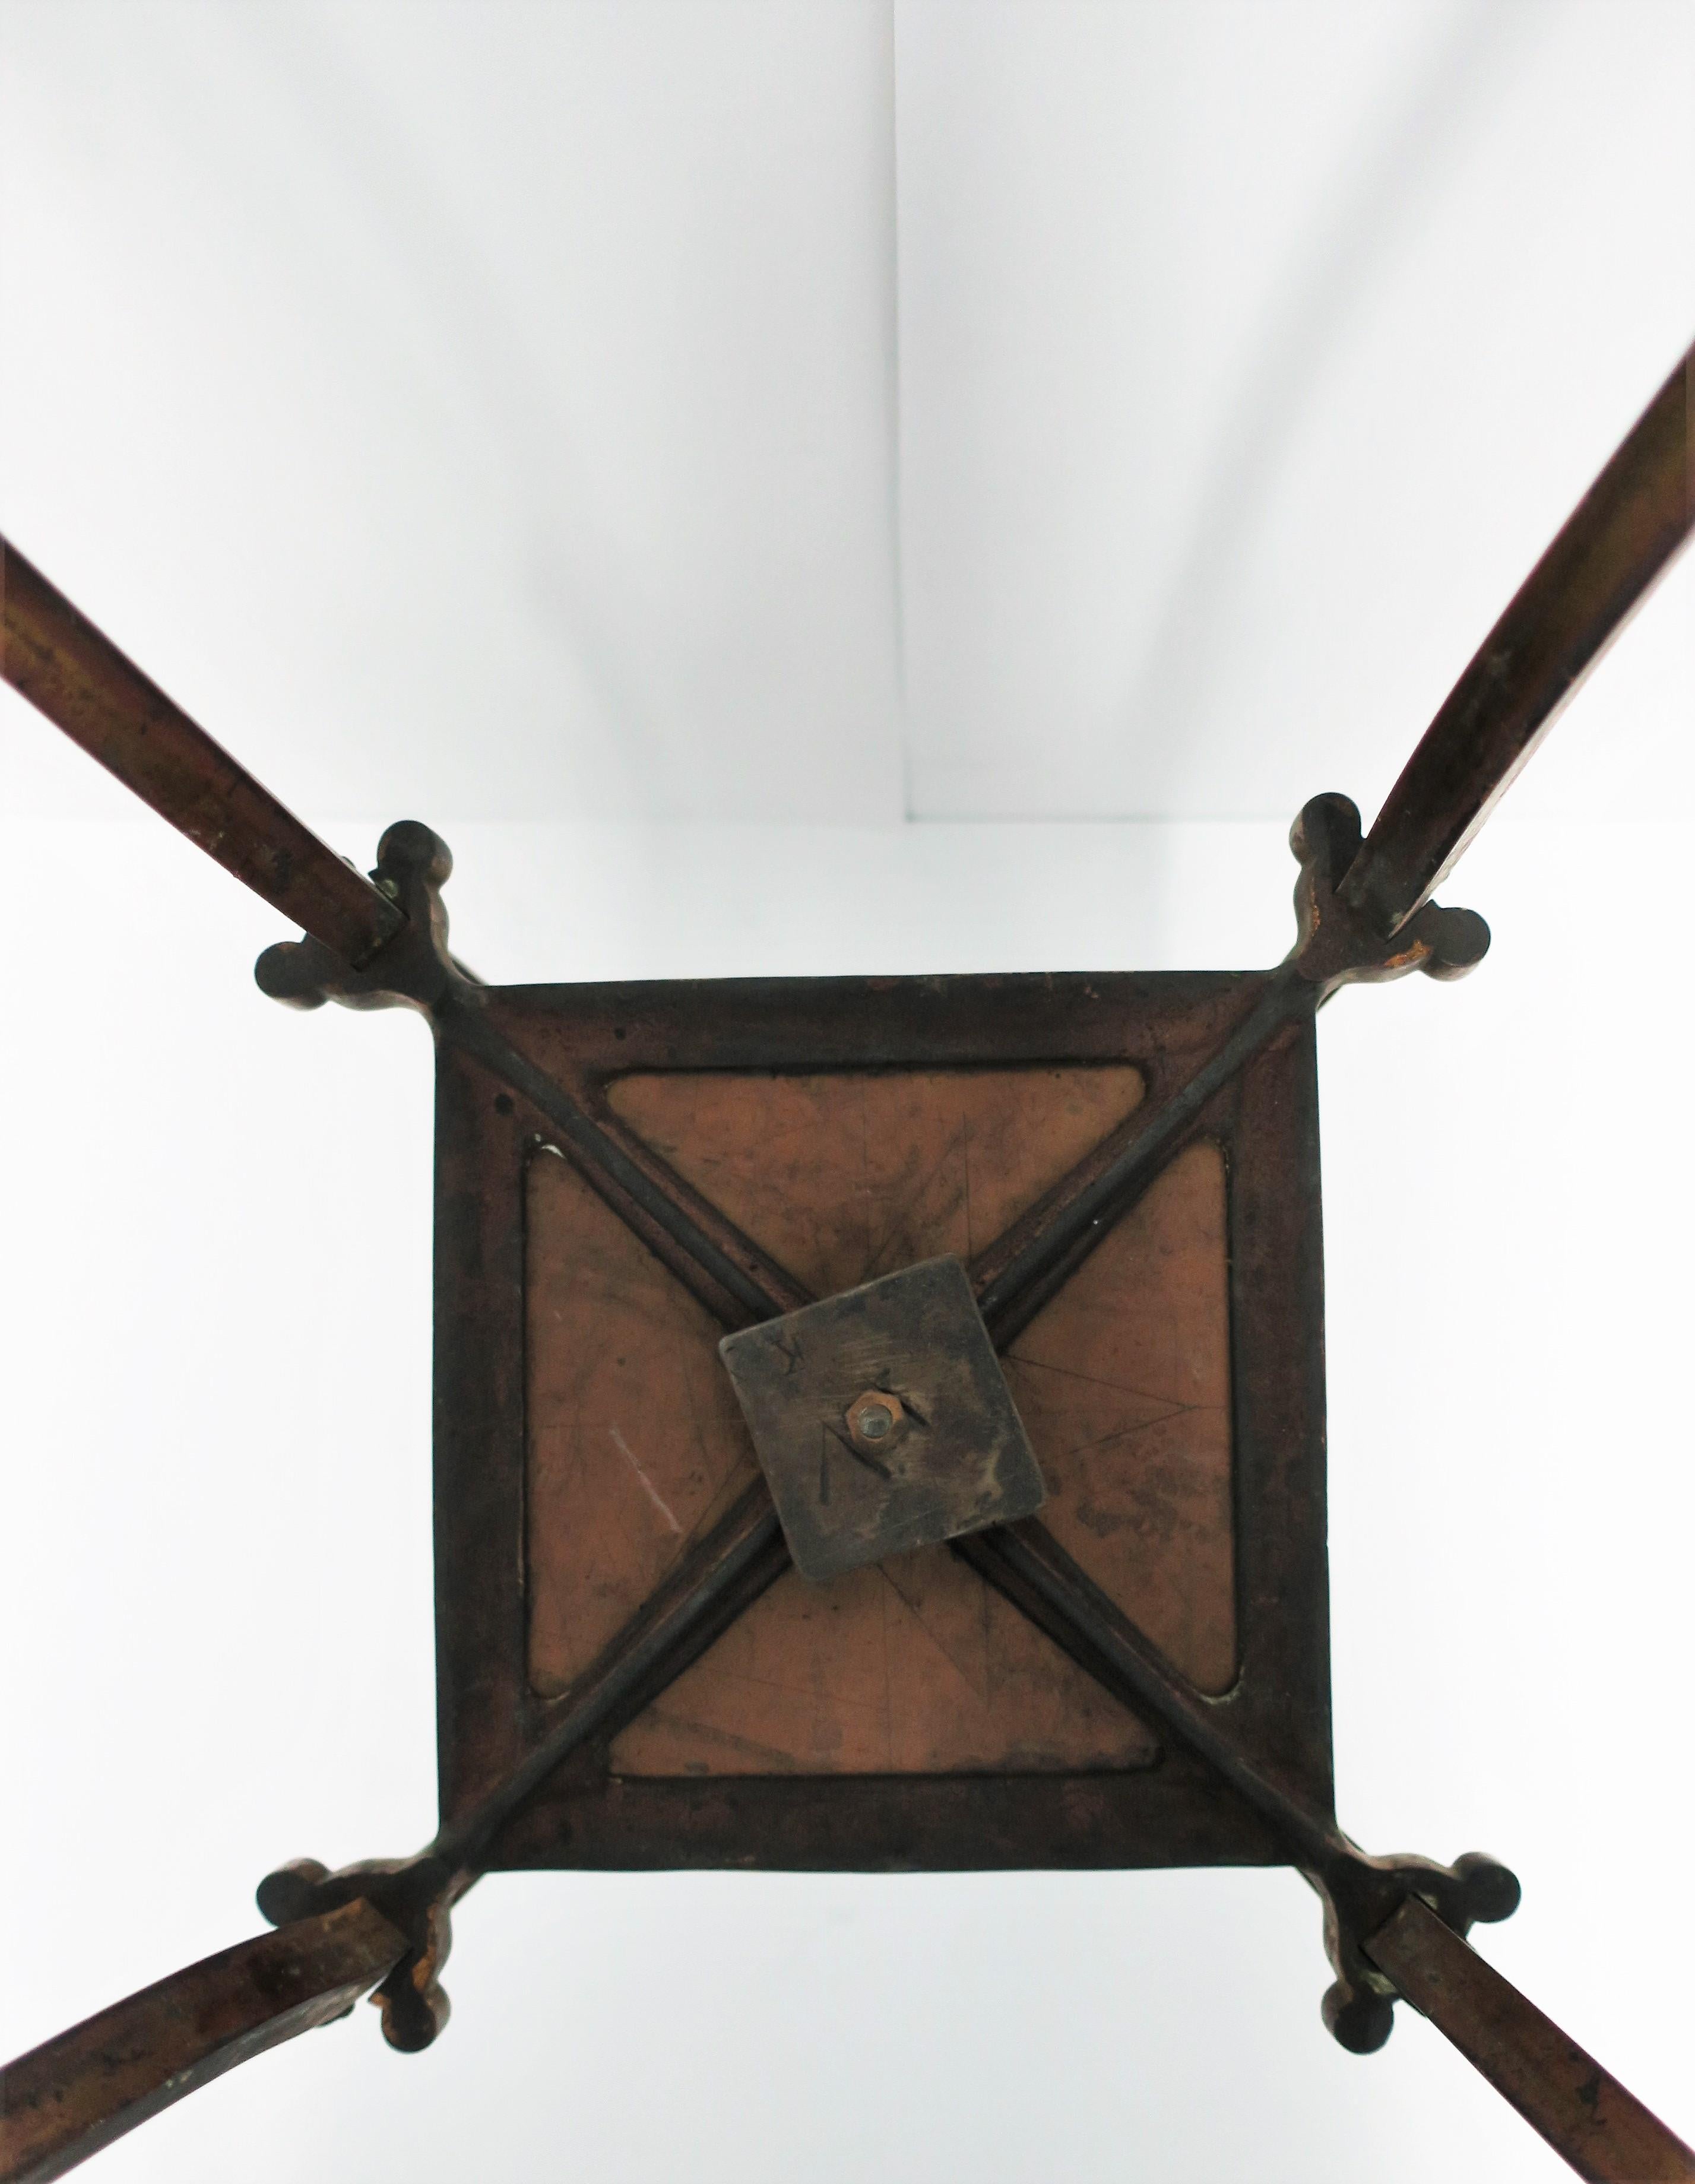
point(1337, 945)
point(413, 970)
point(415, 1896)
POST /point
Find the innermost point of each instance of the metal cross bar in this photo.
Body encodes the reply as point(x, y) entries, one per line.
point(1334, 947)
point(731, 1274)
point(341, 1933)
point(1393, 1925)
point(1028, 1567)
point(57, 658)
point(725, 1574)
point(736, 1279)
point(719, 1578)
point(1014, 1295)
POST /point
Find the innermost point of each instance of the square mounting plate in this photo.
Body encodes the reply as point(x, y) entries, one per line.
point(903, 1715)
point(882, 1420)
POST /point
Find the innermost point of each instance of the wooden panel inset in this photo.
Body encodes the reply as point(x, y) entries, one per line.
point(636, 1442)
point(845, 1175)
point(1123, 1385)
point(913, 1667)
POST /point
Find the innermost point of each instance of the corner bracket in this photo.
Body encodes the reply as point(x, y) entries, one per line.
point(416, 1895)
point(413, 969)
point(1361, 1894)
point(1337, 945)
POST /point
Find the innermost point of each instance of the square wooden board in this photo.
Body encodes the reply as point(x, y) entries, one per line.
point(903, 1715)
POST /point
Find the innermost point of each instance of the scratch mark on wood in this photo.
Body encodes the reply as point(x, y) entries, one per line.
point(647, 1486)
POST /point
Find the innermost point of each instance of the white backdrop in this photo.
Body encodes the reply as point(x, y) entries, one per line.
point(216, 1638)
point(826, 410)
point(776, 485)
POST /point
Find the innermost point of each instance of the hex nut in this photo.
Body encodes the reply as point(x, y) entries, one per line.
point(875, 1420)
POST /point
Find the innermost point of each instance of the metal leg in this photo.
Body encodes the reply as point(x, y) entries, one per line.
point(1393, 1926)
point(67, 2098)
point(1619, 540)
point(61, 663)
point(1583, 2112)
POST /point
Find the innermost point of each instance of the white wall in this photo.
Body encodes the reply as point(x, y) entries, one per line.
point(773, 420)
point(760, 409)
point(216, 1637)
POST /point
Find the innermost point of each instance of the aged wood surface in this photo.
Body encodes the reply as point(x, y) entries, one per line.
point(846, 1175)
point(1580, 2109)
point(67, 2098)
point(912, 1666)
point(1124, 1384)
point(501, 1697)
point(636, 1444)
point(62, 664)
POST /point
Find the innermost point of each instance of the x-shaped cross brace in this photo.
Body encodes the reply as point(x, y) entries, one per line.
point(1013, 1278)
point(1393, 1925)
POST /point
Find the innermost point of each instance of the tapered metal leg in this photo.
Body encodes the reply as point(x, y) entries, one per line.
point(1618, 542)
point(56, 658)
point(67, 2098)
point(1580, 2109)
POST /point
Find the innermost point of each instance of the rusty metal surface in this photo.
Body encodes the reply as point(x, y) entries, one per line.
point(1124, 1380)
point(589, 1815)
point(534, 1774)
point(1580, 2109)
point(1131, 1359)
point(78, 2091)
point(882, 1421)
point(1246, 1777)
point(527, 1075)
point(57, 658)
point(1358, 1890)
point(558, 1052)
point(635, 1440)
point(1617, 542)
point(725, 1573)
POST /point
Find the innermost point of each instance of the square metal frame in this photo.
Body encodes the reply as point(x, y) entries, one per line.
point(1173, 1812)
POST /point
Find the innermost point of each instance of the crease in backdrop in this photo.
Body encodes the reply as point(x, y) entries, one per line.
point(503, 417)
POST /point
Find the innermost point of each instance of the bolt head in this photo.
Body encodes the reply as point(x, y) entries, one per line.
point(875, 1418)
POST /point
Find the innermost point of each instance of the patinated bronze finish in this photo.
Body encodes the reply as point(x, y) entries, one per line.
point(931, 1447)
point(1087, 1205)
